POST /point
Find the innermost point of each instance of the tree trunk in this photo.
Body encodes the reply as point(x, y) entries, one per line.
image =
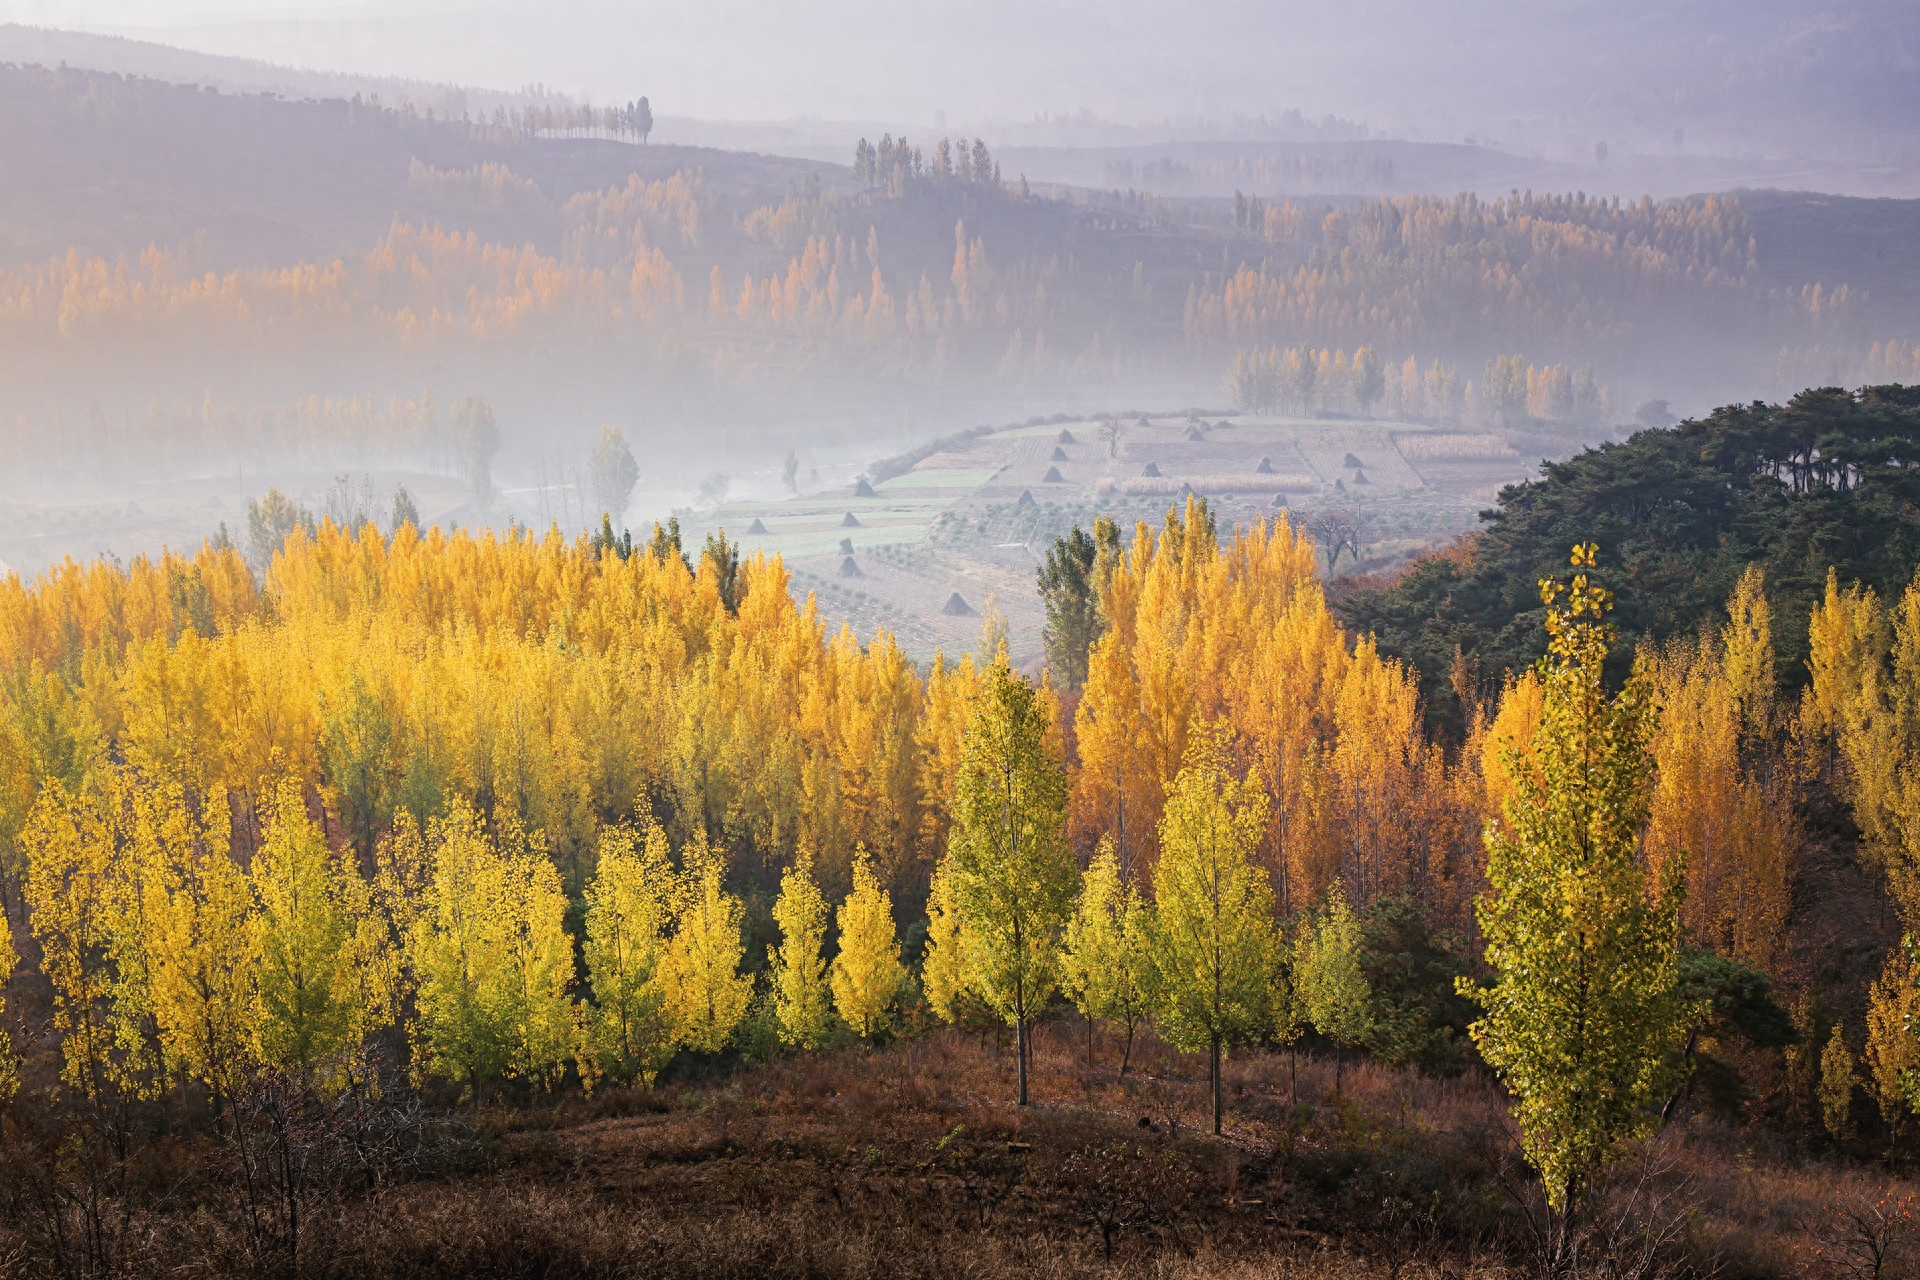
point(1089, 1042)
point(1216, 1084)
point(1020, 1045)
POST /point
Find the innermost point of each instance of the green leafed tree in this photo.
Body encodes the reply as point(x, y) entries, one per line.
point(1329, 976)
point(1008, 873)
point(491, 957)
point(1214, 944)
point(799, 969)
point(1583, 1013)
point(327, 973)
point(1070, 590)
point(477, 434)
point(628, 904)
point(613, 473)
point(1108, 961)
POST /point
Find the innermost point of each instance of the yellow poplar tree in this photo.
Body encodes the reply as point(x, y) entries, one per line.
point(707, 994)
point(1893, 1054)
point(628, 905)
point(943, 970)
point(866, 972)
point(800, 992)
point(539, 955)
point(458, 947)
point(1214, 947)
point(9, 1062)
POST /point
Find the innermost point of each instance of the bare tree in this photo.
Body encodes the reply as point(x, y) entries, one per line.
point(1333, 530)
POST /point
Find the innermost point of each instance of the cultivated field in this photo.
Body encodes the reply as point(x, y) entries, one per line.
point(977, 518)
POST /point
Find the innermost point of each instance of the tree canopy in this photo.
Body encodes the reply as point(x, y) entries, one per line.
point(1827, 479)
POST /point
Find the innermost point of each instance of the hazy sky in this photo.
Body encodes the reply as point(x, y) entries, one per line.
point(1429, 67)
point(1004, 59)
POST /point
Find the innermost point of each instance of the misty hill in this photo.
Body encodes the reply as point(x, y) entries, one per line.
point(120, 163)
point(146, 59)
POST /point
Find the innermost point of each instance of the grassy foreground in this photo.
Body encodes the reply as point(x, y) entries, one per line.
point(910, 1161)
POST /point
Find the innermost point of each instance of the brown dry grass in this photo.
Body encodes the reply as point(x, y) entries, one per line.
point(911, 1162)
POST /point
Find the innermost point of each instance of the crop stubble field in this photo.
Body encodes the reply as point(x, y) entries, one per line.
point(976, 519)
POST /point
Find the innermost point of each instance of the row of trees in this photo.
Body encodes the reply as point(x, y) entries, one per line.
point(1428, 271)
point(898, 166)
point(171, 962)
point(1512, 392)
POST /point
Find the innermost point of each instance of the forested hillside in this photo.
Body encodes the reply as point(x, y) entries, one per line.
point(313, 252)
point(1824, 481)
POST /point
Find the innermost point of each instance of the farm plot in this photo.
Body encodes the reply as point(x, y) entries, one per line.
point(1331, 452)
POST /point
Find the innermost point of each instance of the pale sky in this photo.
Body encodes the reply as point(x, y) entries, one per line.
point(1436, 69)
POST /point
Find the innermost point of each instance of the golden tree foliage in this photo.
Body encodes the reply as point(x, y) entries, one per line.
point(202, 950)
point(629, 906)
point(522, 674)
point(1243, 633)
point(800, 991)
point(1107, 958)
point(1866, 695)
point(1893, 1054)
point(1715, 795)
point(706, 993)
point(491, 957)
point(867, 973)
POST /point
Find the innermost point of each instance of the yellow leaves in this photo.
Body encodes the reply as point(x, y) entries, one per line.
point(800, 991)
point(1214, 937)
point(1243, 632)
point(202, 948)
point(706, 994)
point(491, 957)
point(1893, 1054)
point(867, 974)
point(1506, 745)
point(1733, 824)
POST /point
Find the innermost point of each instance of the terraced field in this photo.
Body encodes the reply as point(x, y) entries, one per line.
point(922, 554)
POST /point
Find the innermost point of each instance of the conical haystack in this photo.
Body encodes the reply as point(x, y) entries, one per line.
point(851, 521)
point(1349, 461)
point(1194, 433)
point(1065, 437)
point(1265, 468)
point(956, 607)
point(1059, 454)
point(861, 489)
point(1053, 476)
point(1151, 469)
point(756, 526)
point(1026, 499)
point(846, 546)
point(1279, 499)
point(1360, 477)
point(848, 569)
